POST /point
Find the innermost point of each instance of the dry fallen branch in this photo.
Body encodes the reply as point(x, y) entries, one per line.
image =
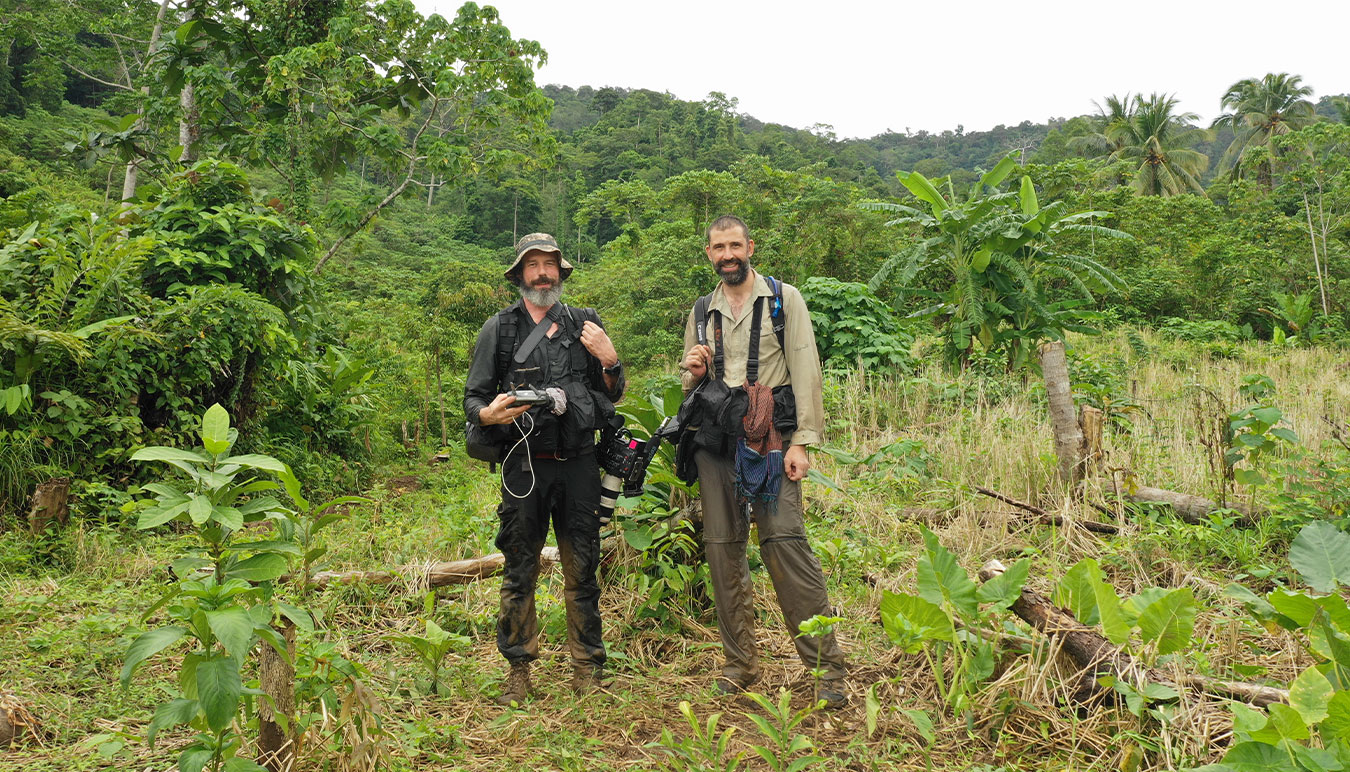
point(1192, 509)
point(1046, 517)
point(436, 575)
point(1097, 657)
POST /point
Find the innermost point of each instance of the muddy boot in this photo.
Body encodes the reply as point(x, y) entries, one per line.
point(834, 693)
point(517, 686)
point(586, 679)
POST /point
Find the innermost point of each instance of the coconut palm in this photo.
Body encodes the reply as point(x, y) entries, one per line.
point(1159, 138)
point(1112, 111)
point(1259, 110)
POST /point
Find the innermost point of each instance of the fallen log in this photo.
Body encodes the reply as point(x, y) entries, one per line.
point(1096, 656)
point(1192, 509)
point(437, 574)
point(1047, 517)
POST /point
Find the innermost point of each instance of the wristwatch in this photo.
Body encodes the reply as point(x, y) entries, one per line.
point(614, 369)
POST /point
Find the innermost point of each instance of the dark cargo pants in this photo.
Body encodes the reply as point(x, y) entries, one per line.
point(566, 492)
point(793, 567)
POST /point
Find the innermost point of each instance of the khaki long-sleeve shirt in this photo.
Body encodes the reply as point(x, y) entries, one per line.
point(799, 365)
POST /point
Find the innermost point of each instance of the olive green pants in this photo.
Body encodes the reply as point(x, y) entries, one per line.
point(793, 568)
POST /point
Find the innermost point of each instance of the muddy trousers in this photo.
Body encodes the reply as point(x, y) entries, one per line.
point(566, 493)
point(793, 568)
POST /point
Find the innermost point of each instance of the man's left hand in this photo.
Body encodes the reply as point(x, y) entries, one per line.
point(597, 341)
point(795, 463)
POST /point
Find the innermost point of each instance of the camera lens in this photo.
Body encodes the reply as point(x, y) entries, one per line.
point(610, 485)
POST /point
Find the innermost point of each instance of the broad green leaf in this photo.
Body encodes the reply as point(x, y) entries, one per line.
point(923, 190)
point(259, 568)
point(1004, 589)
point(1256, 757)
point(1169, 621)
point(1295, 609)
point(872, 708)
point(942, 578)
point(161, 453)
point(157, 516)
point(1309, 695)
point(1336, 726)
point(1076, 591)
point(639, 538)
point(170, 715)
point(267, 545)
point(241, 764)
point(89, 329)
point(218, 688)
point(1315, 759)
point(1267, 415)
point(980, 260)
point(260, 504)
point(1287, 722)
point(234, 628)
point(995, 176)
point(1114, 622)
point(292, 485)
point(1027, 197)
point(194, 759)
point(255, 461)
point(228, 517)
point(909, 619)
point(147, 645)
point(923, 723)
point(199, 509)
point(215, 432)
point(1321, 555)
point(300, 617)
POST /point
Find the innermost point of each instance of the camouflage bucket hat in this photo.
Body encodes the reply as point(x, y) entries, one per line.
point(538, 242)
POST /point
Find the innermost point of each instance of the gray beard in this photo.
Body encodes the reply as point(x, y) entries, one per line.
point(544, 298)
point(738, 276)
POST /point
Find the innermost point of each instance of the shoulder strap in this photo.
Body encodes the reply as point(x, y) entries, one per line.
point(776, 311)
point(752, 356)
point(506, 342)
point(701, 318)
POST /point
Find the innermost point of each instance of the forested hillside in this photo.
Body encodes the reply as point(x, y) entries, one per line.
point(245, 250)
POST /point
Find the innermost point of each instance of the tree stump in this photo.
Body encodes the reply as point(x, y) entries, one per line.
point(276, 677)
point(50, 504)
point(1063, 418)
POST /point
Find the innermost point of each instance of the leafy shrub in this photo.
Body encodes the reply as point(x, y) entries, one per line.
point(1203, 330)
point(853, 326)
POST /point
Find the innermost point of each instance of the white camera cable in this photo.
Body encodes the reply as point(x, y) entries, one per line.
point(529, 458)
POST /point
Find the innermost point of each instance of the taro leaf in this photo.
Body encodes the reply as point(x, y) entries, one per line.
point(218, 688)
point(259, 568)
point(234, 627)
point(170, 715)
point(147, 645)
point(1321, 555)
point(1288, 722)
point(1076, 593)
point(1315, 759)
point(908, 619)
point(1336, 726)
point(1309, 695)
point(942, 578)
point(1004, 589)
point(1254, 757)
point(1169, 620)
point(1113, 618)
point(1294, 609)
point(215, 432)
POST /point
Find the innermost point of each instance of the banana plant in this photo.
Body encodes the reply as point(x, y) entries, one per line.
point(1000, 253)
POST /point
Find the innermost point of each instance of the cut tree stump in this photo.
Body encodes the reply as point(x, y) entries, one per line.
point(1096, 656)
point(50, 504)
point(1192, 509)
point(1069, 445)
point(437, 574)
point(16, 721)
point(276, 677)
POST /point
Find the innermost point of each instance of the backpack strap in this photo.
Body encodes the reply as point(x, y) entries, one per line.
point(507, 331)
point(701, 330)
point(776, 311)
point(752, 355)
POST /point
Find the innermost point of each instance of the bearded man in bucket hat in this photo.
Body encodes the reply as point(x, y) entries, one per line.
point(549, 468)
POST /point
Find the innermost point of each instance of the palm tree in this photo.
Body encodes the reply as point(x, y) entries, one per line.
point(1259, 110)
point(1115, 110)
point(1159, 138)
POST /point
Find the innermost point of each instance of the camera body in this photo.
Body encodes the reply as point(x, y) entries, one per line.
point(531, 397)
point(624, 461)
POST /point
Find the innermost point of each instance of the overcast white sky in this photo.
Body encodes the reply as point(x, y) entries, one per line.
point(864, 67)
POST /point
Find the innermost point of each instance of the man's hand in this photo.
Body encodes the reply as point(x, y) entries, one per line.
point(597, 341)
point(503, 410)
point(697, 359)
point(795, 463)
